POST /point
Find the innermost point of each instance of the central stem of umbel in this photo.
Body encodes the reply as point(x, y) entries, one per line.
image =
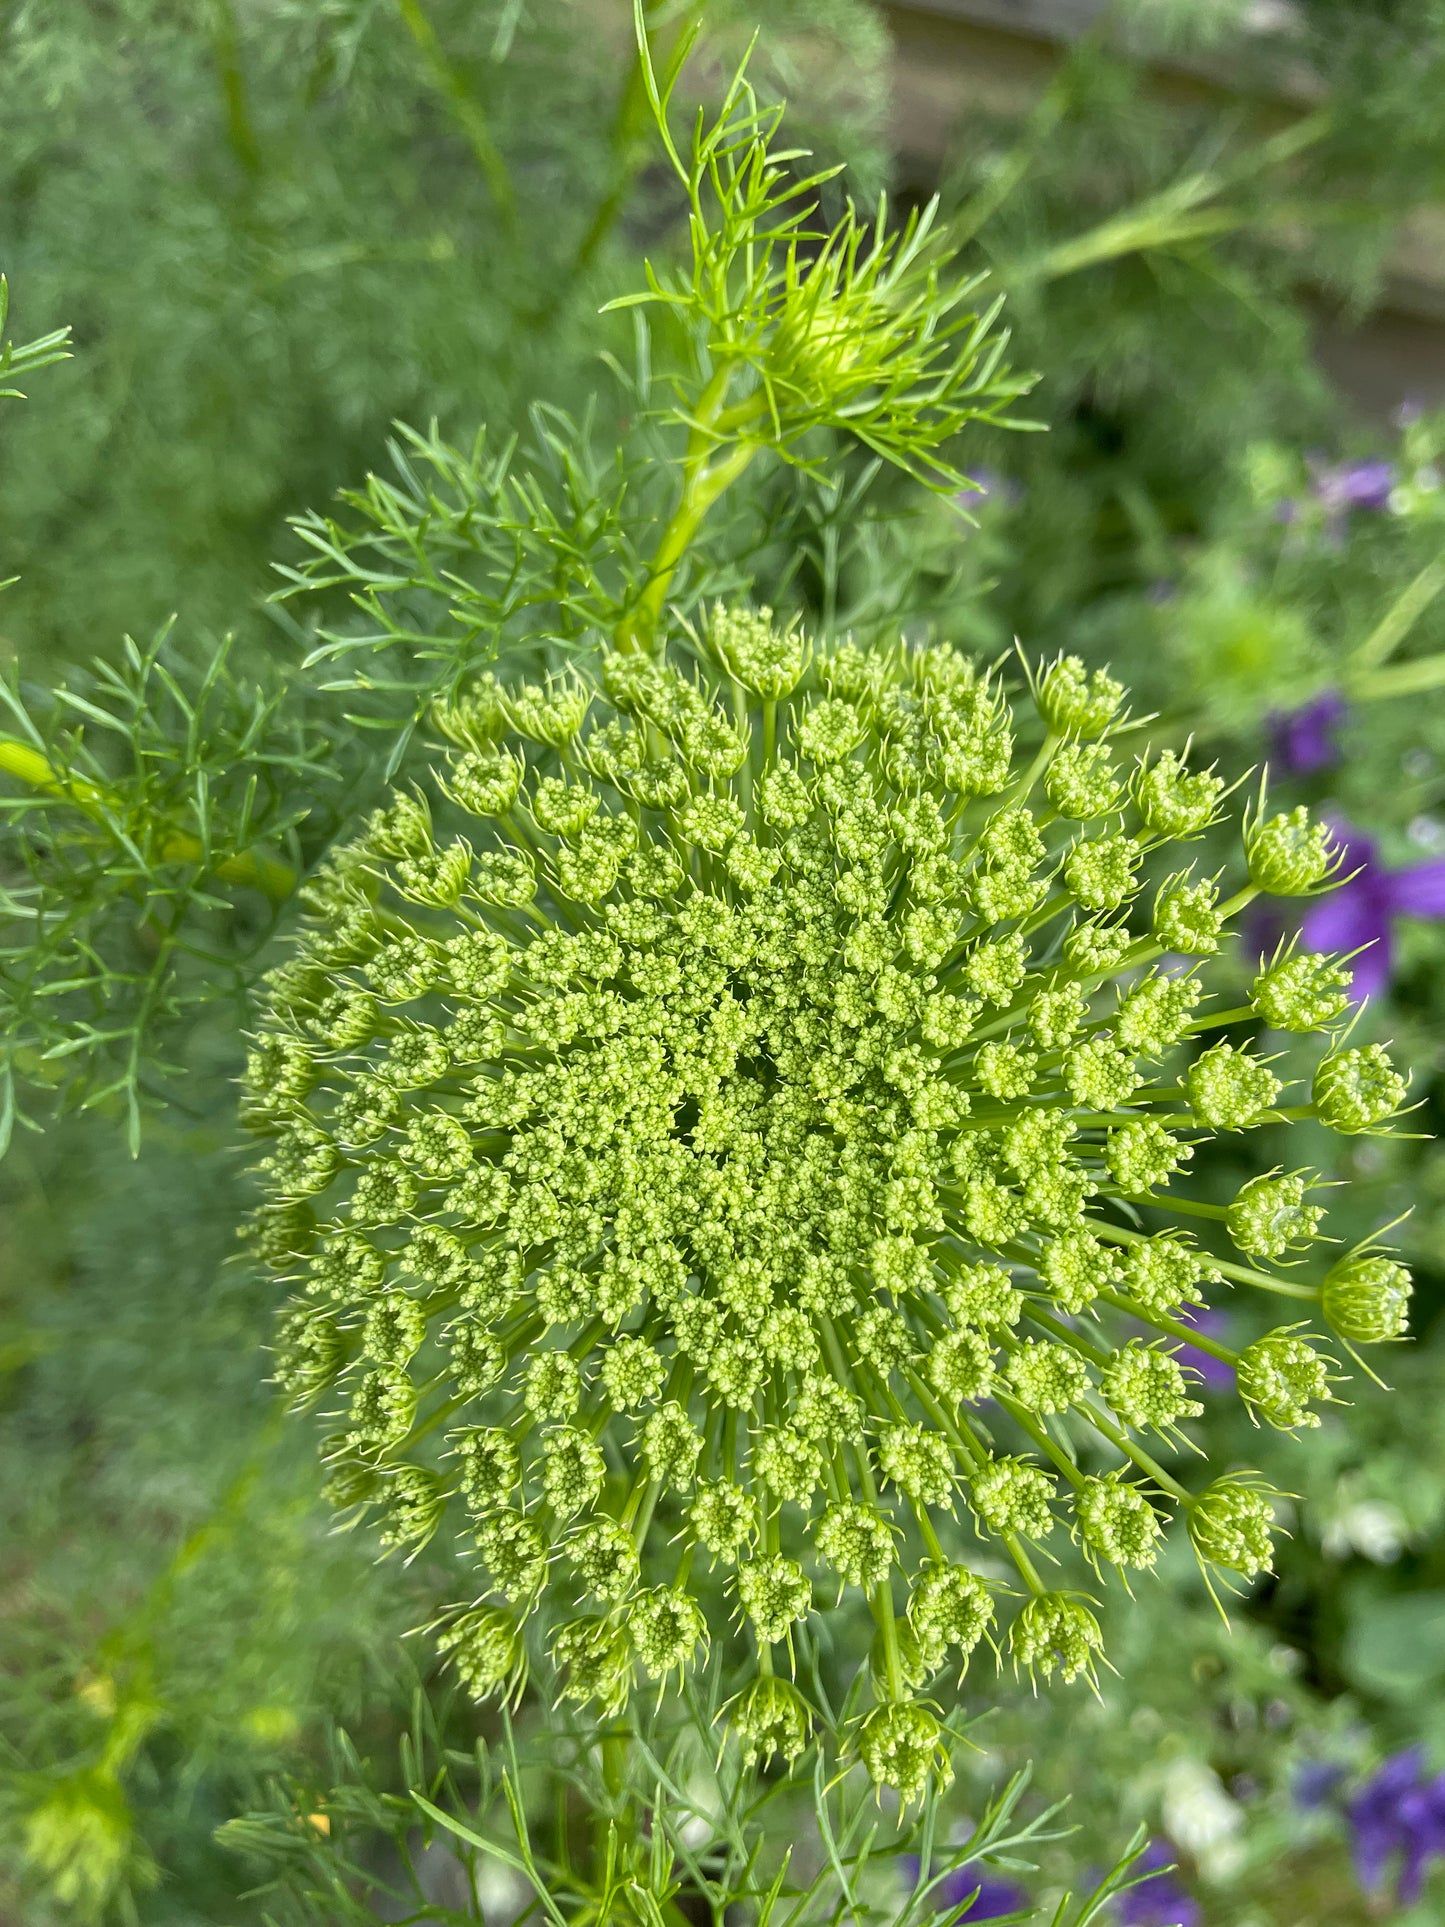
point(747, 1168)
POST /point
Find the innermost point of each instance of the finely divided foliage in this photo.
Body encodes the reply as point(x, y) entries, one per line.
point(736, 1119)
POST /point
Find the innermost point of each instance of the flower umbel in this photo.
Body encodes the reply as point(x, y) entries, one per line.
point(767, 1078)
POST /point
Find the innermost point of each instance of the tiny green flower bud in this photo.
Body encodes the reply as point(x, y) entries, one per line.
point(771, 1717)
point(486, 1652)
point(346, 1018)
point(1076, 1268)
point(605, 1559)
point(491, 1466)
point(918, 1461)
point(573, 1470)
point(830, 731)
point(790, 1465)
point(506, 878)
point(775, 1595)
point(1186, 918)
point(995, 970)
point(1229, 1090)
point(1081, 782)
point(1147, 1387)
point(949, 1606)
point(439, 878)
point(562, 808)
point(856, 1542)
point(1055, 1633)
point(310, 1355)
point(983, 1295)
point(1269, 1216)
point(1055, 1015)
point(414, 1059)
point(1101, 874)
point(1354, 1090)
point(412, 1502)
point(1172, 802)
point(1279, 1375)
point(1288, 855)
point(1366, 1299)
point(485, 781)
point(1115, 1522)
point(902, 1745)
point(827, 1413)
point(554, 1385)
point(1155, 1014)
point(1074, 703)
point(884, 1338)
point(762, 657)
point(475, 715)
point(1229, 1524)
point(1143, 1155)
point(1302, 993)
point(666, 1627)
point(513, 1552)
point(402, 828)
point(350, 1481)
point(960, 1366)
point(1100, 1077)
point(594, 1659)
point(632, 1374)
point(1093, 949)
point(1012, 1495)
point(381, 1411)
point(1162, 1273)
point(671, 1444)
point(552, 712)
point(383, 1195)
point(394, 1330)
point(723, 1519)
point(476, 1358)
point(1047, 1377)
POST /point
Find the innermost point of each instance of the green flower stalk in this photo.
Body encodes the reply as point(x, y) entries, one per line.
point(720, 1127)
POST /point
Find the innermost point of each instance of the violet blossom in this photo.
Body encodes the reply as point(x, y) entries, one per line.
point(1303, 740)
point(1160, 1899)
point(997, 1897)
point(1398, 1821)
point(1217, 1376)
point(1362, 911)
point(1341, 486)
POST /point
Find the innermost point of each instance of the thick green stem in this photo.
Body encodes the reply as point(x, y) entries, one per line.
point(451, 83)
point(713, 461)
point(1393, 627)
point(240, 131)
point(28, 765)
point(628, 145)
point(1171, 1327)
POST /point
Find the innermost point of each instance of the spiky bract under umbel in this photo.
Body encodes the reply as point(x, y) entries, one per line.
point(742, 1147)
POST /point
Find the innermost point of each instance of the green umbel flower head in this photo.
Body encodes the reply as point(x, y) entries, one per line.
point(717, 1152)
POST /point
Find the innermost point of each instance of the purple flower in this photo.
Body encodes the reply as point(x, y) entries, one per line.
point(1398, 1820)
point(1159, 1900)
point(1362, 911)
point(1303, 740)
point(1216, 1374)
point(997, 1897)
point(1315, 1782)
point(1342, 486)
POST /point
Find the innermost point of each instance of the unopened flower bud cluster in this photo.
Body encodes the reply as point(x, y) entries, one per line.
point(725, 1145)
